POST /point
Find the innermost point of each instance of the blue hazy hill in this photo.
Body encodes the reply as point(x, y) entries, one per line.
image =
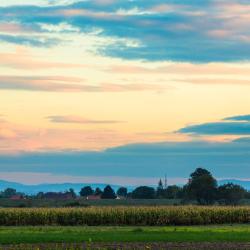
point(61, 187)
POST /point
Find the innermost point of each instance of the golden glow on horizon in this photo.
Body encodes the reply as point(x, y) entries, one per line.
point(149, 101)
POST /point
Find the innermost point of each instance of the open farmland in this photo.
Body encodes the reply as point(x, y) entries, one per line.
point(124, 216)
point(172, 237)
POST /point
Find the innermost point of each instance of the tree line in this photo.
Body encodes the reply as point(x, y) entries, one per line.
point(201, 188)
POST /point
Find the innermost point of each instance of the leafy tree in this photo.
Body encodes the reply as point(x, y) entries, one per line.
point(173, 192)
point(122, 191)
point(72, 192)
point(202, 186)
point(247, 194)
point(144, 192)
point(9, 192)
point(108, 193)
point(231, 194)
point(86, 191)
point(160, 189)
point(98, 191)
point(40, 195)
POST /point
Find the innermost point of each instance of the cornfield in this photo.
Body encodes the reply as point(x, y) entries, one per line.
point(124, 216)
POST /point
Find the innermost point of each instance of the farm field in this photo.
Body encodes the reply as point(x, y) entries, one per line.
point(124, 216)
point(50, 234)
point(167, 227)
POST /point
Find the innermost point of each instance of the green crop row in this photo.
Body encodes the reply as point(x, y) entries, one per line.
point(129, 216)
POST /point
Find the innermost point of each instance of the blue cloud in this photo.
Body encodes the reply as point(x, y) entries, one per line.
point(238, 118)
point(187, 31)
point(218, 128)
point(139, 160)
point(25, 40)
point(234, 125)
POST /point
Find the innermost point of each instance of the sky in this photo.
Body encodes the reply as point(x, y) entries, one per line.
point(124, 91)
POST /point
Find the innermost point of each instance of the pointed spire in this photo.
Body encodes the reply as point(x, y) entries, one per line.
point(166, 182)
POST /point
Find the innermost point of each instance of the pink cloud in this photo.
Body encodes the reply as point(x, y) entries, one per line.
point(69, 84)
point(43, 83)
point(89, 13)
point(167, 8)
point(220, 33)
point(15, 28)
point(22, 59)
point(19, 138)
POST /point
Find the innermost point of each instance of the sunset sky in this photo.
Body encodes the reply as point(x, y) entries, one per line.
point(124, 91)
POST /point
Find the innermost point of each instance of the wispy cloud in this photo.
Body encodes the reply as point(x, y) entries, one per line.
point(238, 118)
point(79, 119)
point(218, 128)
point(69, 84)
point(6, 3)
point(235, 125)
point(22, 59)
point(27, 40)
point(217, 81)
point(42, 83)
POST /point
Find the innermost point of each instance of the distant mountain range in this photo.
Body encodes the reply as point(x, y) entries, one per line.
point(61, 187)
point(34, 189)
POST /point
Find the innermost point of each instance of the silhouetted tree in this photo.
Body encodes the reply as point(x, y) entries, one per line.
point(122, 191)
point(9, 192)
point(144, 192)
point(247, 194)
point(98, 191)
point(231, 194)
point(202, 186)
point(72, 192)
point(86, 191)
point(108, 193)
point(40, 195)
point(173, 192)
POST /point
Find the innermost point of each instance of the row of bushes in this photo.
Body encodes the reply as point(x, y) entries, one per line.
point(130, 216)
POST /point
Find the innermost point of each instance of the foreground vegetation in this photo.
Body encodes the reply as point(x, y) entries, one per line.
point(124, 216)
point(18, 235)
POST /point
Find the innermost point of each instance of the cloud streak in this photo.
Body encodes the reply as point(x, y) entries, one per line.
point(218, 128)
point(238, 118)
point(79, 120)
point(69, 84)
point(26, 61)
point(235, 125)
